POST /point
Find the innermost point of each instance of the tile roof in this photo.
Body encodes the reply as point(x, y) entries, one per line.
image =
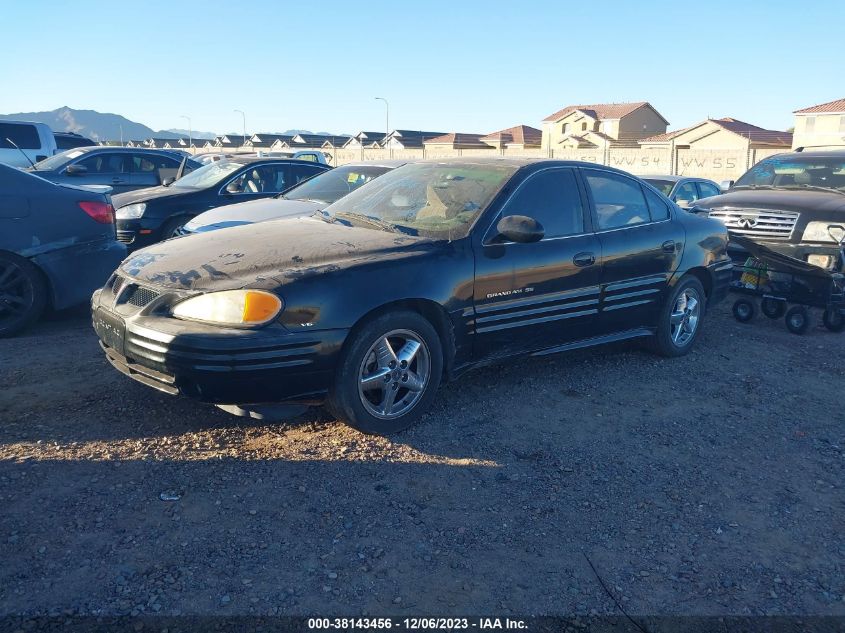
point(518, 135)
point(752, 132)
point(458, 138)
point(831, 107)
point(601, 110)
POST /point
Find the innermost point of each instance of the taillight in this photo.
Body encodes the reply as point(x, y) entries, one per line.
point(101, 212)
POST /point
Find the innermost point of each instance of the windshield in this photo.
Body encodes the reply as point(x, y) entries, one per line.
point(57, 161)
point(332, 185)
point(664, 186)
point(208, 175)
point(793, 172)
point(440, 200)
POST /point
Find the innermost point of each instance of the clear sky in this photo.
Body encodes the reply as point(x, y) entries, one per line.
point(454, 65)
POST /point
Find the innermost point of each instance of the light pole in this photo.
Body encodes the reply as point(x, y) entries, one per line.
point(244, 117)
point(190, 130)
point(386, 115)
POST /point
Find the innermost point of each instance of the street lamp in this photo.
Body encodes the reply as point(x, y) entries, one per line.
point(244, 117)
point(386, 115)
point(190, 130)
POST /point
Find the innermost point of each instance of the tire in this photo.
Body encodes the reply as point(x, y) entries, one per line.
point(773, 308)
point(172, 226)
point(679, 313)
point(797, 319)
point(23, 294)
point(833, 319)
point(364, 404)
point(744, 310)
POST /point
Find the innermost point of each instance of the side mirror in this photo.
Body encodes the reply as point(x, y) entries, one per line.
point(520, 229)
point(76, 170)
point(166, 182)
point(684, 203)
point(233, 187)
point(726, 184)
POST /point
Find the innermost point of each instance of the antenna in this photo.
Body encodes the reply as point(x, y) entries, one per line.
point(13, 144)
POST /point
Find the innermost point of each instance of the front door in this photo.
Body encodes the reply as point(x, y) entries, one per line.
point(641, 246)
point(105, 168)
point(538, 295)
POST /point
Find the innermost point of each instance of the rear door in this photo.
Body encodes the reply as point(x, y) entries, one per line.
point(641, 247)
point(534, 296)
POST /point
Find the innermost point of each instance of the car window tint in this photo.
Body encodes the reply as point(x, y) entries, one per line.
point(551, 197)
point(105, 164)
point(708, 190)
point(619, 200)
point(686, 193)
point(23, 135)
point(147, 163)
point(658, 206)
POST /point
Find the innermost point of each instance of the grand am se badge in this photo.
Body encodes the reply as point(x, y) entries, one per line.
point(506, 293)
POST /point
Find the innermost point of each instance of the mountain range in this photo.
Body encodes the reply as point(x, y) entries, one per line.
point(104, 126)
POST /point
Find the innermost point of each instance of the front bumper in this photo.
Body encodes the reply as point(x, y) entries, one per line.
point(139, 232)
point(216, 364)
point(800, 251)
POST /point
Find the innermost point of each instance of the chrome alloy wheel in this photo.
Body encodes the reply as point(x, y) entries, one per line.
point(394, 374)
point(686, 313)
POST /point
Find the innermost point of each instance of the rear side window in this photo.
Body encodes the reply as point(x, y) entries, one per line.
point(304, 172)
point(551, 197)
point(106, 164)
point(657, 205)
point(22, 135)
point(619, 200)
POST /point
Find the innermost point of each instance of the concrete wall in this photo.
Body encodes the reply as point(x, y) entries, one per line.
point(716, 164)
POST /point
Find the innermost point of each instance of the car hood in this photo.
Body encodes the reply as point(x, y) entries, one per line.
point(786, 199)
point(266, 255)
point(252, 211)
point(145, 195)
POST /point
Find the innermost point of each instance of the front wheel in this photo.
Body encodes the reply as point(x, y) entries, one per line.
point(680, 318)
point(833, 319)
point(797, 319)
point(388, 373)
point(743, 310)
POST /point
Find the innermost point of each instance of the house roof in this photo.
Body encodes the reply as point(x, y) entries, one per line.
point(831, 107)
point(518, 135)
point(603, 110)
point(261, 137)
point(319, 139)
point(457, 138)
point(753, 133)
point(370, 136)
point(232, 139)
point(415, 134)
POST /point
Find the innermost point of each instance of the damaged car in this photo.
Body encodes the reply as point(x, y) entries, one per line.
point(431, 269)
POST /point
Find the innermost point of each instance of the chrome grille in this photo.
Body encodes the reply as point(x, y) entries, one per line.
point(117, 285)
point(771, 224)
point(127, 237)
point(139, 296)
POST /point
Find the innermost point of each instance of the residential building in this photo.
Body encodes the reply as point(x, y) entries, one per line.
point(517, 137)
point(318, 140)
point(820, 125)
point(264, 140)
point(365, 139)
point(601, 125)
point(456, 140)
point(725, 133)
point(408, 139)
point(230, 141)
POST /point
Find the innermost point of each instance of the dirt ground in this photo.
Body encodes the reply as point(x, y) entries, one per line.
point(711, 484)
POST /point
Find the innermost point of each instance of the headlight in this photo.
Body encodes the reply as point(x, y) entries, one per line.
point(130, 211)
point(818, 232)
point(231, 307)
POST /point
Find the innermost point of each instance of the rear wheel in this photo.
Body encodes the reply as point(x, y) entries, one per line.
point(388, 374)
point(797, 319)
point(743, 310)
point(680, 318)
point(773, 308)
point(23, 294)
point(833, 319)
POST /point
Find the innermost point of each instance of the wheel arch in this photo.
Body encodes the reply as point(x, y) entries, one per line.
point(48, 282)
point(430, 310)
point(704, 276)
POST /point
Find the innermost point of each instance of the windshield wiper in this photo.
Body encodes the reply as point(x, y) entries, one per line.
point(816, 188)
point(368, 219)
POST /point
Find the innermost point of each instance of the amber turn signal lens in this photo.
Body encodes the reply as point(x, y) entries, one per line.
point(260, 306)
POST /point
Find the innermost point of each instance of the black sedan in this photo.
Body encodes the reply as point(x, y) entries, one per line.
point(151, 215)
point(57, 245)
point(429, 270)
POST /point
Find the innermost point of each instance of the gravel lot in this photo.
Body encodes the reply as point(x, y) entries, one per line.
point(705, 485)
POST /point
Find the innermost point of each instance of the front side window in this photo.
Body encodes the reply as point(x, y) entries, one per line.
point(264, 179)
point(687, 193)
point(708, 190)
point(146, 163)
point(552, 198)
point(619, 200)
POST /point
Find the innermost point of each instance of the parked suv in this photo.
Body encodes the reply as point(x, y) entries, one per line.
point(792, 203)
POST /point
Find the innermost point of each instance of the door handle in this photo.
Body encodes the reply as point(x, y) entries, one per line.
point(117, 181)
point(584, 259)
point(668, 246)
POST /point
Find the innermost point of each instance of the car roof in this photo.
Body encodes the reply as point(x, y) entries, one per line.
point(248, 160)
point(664, 177)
